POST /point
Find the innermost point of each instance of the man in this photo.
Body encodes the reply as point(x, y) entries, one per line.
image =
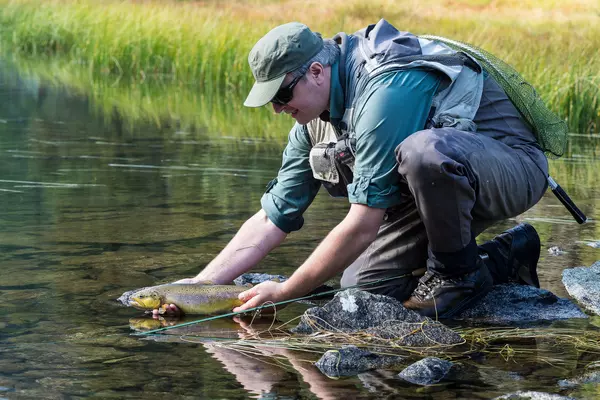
point(428, 150)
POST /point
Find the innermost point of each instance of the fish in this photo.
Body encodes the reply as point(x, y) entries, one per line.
point(189, 298)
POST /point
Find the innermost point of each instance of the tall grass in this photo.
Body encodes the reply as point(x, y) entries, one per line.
point(201, 48)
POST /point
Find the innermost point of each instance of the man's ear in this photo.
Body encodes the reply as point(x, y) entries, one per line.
point(317, 70)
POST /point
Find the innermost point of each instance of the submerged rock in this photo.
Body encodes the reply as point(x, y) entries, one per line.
point(427, 371)
point(530, 395)
point(512, 303)
point(254, 278)
point(350, 360)
point(556, 251)
point(583, 284)
point(590, 377)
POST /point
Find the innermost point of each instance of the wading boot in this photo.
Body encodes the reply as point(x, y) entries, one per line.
point(512, 256)
point(437, 296)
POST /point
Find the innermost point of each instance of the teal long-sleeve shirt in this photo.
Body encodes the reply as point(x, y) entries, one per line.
point(392, 107)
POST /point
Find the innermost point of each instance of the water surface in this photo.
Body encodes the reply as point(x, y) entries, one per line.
point(93, 207)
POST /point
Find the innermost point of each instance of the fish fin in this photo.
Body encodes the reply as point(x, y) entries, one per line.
point(248, 285)
point(276, 280)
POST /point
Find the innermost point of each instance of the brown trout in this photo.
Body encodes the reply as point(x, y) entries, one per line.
point(189, 298)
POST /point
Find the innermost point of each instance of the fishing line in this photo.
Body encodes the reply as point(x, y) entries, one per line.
point(230, 314)
point(6, 345)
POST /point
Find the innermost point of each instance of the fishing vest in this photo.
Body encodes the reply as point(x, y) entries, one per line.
point(376, 50)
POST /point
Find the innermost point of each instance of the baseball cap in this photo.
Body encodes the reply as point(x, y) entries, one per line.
point(282, 50)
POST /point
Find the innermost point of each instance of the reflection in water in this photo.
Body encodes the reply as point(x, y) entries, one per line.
point(93, 207)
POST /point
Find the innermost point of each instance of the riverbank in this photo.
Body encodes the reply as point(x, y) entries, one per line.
point(202, 47)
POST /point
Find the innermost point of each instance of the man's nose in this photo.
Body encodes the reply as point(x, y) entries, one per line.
point(278, 107)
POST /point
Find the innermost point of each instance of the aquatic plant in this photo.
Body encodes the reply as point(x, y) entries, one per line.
point(509, 343)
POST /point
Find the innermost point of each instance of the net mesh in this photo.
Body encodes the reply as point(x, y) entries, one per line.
point(550, 130)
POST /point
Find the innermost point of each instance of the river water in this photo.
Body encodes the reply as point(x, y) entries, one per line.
point(93, 206)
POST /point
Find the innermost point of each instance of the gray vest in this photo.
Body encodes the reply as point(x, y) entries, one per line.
point(381, 48)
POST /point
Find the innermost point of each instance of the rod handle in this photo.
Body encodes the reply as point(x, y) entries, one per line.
point(567, 202)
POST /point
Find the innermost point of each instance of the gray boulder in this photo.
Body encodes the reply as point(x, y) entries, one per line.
point(427, 371)
point(529, 395)
point(511, 303)
point(350, 361)
point(583, 284)
point(381, 317)
point(254, 278)
point(590, 377)
point(354, 310)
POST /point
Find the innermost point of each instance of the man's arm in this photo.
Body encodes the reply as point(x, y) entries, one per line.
point(283, 204)
point(338, 250)
point(255, 239)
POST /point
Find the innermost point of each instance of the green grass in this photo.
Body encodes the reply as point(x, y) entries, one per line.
point(195, 53)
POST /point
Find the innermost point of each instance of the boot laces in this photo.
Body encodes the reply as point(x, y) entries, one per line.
point(428, 283)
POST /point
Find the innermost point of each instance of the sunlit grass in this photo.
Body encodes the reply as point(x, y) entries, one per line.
point(200, 49)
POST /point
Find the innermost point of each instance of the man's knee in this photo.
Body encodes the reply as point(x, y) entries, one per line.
point(430, 155)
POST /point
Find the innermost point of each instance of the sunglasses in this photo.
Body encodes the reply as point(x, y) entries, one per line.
point(285, 94)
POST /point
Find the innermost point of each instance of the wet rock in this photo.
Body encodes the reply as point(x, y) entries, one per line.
point(382, 318)
point(512, 303)
point(530, 395)
point(583, 284)
point(556, 251)
point(590, 377)
point(492, 376)
point(427, 371)
point(256, 278)
point(355, 310)
point(350, 361)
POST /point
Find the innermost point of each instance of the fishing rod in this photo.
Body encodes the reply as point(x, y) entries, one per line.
point(230, 314)
point(566, 201)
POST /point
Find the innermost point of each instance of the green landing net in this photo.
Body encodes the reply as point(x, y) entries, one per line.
point(549, 129)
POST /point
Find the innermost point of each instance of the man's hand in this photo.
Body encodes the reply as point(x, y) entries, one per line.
point(265, 292)
point(171, 310)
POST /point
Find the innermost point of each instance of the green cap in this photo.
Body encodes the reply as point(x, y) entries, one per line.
point(282, 50)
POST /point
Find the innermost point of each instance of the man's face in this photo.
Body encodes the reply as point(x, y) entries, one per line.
point(311, 95)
